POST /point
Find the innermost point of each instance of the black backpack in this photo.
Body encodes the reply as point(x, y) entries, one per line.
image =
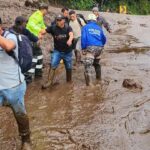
point(24, 59)
point(82, 17)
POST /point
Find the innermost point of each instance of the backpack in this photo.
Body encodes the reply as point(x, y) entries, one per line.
point(82, 17)
point(24, 51)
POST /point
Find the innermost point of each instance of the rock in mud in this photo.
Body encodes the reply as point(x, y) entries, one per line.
point(131, 84)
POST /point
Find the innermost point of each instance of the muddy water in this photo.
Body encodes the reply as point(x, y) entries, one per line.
point(103, 117)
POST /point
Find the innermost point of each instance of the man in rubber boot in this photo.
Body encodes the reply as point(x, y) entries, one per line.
point(63, 37)
point(36, 25)
point(76, 23)
point(12, 85)
point(92, 43)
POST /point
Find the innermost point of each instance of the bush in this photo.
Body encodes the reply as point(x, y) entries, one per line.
point(81, 4)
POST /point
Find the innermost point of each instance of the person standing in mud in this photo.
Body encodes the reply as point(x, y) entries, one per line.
point(92, 43)
point(101, 20)
point(20, 28)
point(36, 25)
point(63, 37)
point(76, 24)
point(12, 85)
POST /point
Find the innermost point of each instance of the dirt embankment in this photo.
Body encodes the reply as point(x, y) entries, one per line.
point(105, 117)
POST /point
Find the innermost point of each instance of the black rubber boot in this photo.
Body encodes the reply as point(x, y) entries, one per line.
point(69, 75)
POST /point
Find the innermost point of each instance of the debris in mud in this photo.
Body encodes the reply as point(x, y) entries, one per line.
point(124, 22)
point(143, 25)
point(131, 84)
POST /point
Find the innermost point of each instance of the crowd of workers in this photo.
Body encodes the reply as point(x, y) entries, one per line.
point(71, 32)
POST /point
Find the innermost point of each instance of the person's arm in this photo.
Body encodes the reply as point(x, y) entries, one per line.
point(70, 32)
point(33, 24)
point(7, 44)
point(31, 36)
point(83, 39)
point(69, 42)
point(103, 38)
point(106, 25)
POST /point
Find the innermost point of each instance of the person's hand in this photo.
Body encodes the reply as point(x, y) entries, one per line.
point(110, 31)
point(40, 36)
point(39, 42)
point(83, 52)
point(43, 31)
point(69, 42)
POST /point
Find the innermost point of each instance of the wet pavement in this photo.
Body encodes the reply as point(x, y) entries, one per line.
point(104, 117)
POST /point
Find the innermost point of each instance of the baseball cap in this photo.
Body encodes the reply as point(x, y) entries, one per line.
point(92, 17)
point(95, 9)
point(59, 17)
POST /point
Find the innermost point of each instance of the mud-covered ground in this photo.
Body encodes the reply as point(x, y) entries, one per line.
point(104, 117)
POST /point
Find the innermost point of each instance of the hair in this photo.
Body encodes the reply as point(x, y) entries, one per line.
point(72, 12)
point(43, 6)
point(64, 9)
point(0, 20)
point(20, 20)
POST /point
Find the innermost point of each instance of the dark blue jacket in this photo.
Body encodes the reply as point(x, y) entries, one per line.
point(92, 35)
point(31, 36)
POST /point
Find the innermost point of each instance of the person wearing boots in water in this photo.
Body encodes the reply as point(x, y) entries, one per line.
point(63, 36)
point(92, 43)
point(12, 85)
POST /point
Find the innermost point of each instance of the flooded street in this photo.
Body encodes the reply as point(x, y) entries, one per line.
point(107, 116)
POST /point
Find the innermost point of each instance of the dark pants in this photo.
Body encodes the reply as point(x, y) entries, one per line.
point(37, 61)
point(76, 52)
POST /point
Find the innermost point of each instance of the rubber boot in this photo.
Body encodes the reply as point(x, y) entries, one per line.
point(69, 75)
point(50, 79)
point(24, 130)
point(98, 71)
point(87, 79)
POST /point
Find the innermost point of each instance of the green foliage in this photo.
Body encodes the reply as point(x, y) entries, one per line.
point(81, 4)
point(141, 7)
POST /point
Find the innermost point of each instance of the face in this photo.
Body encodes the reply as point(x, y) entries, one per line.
point(60, 23)
point(96, 13)
point(66, 13)
point(73, 17)
point(45, 12)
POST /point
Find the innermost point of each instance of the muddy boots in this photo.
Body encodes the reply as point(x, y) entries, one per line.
point(87, 78)
point(51, 76)
point(97, 69)
point(69, 75)
point(24, 131)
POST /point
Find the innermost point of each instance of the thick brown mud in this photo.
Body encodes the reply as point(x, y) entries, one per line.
point(106, 116)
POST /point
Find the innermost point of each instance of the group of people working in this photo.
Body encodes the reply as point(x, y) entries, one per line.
point(67, 29)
